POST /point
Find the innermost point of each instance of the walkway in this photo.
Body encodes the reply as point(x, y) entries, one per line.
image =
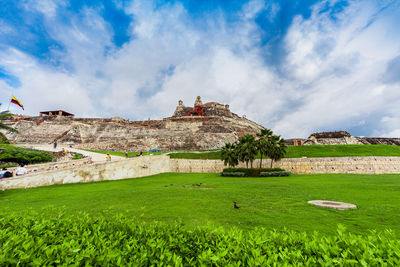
point(96, 157)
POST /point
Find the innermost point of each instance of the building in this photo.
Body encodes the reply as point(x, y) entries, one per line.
point(56, 113)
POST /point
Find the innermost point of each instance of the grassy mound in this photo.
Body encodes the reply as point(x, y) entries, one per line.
point(315, 151)
point(117, 241)
point(199, 199)
point(15, 154)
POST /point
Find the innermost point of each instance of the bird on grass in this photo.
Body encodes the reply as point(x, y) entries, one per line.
point(235, 206)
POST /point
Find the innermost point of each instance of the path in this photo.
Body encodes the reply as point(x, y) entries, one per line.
point(96, 157)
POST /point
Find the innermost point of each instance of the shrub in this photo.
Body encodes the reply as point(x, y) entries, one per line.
point(77, 156)
point(24, 155)
point(252, 172)
point(275, 174)
point(38, 240)
point(233, 174)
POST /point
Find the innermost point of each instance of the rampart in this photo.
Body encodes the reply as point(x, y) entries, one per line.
point(344, 165)
point(128, 168)
point(150, 165)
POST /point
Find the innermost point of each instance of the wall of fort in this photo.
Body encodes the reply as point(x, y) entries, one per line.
point(151, 165)
point(181, 133)
point(116, 170)
point(343, 165)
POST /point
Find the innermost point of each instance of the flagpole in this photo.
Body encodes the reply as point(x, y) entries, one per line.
point(9, 102)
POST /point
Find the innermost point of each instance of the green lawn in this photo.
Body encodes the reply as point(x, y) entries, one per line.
point(200, 199)
point(122, 154)
point(314, 151)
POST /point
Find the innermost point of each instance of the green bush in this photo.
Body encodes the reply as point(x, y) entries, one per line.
point(77, 156)
point(24, 155)
point(233, 174)
point(275, 174)
point(39, 240)
point(252, 172)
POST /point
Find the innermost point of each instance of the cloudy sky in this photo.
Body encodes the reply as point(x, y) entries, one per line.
point(296, 66)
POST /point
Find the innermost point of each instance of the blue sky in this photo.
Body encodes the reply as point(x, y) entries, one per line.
point(294, 66)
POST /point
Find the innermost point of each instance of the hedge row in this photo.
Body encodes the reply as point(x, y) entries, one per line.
point(117, 241)
point(252, 172)
point(24, 155)
point(233, 174)
point(275, 174)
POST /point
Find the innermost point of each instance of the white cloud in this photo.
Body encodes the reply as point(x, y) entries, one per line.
point(332, 76)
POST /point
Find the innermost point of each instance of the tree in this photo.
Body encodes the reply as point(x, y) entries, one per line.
point(6, 115)
point(262, 142)
point(247, 149)
point(229, 155)
point(276, 148)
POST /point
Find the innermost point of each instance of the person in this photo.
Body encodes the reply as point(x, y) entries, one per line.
point(55, 145)
point(126, 154)
point(140, 154)
point(21, 170)
point(108, 157)
point(5, 173)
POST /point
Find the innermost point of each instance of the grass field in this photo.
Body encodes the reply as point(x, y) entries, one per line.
point(314, 151)
point(122, 154)
point(200, 199)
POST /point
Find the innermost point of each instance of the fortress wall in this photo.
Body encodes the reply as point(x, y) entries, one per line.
point(116, 170)
point(354, 165)
point(51, 166)
point(150, 165)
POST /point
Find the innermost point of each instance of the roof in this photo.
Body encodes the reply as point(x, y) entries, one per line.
point(56, 112)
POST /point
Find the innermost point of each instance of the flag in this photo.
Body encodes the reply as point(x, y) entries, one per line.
point(15, 101)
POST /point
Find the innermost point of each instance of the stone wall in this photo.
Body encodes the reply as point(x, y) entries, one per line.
point(355, 165)
point(51, 166)
point(128, 168)
point(150, 165)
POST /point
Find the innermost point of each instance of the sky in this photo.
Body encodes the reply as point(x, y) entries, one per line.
point(294, 66)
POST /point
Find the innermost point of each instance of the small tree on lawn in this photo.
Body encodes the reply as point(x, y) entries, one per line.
point(229, 155)
point(263, 141)
point(247, 149)
point(276, 148)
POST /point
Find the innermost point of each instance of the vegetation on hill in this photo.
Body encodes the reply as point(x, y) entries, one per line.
point(122, 154)
point(83, 240)
point(6, 115)
point(313, 151)
point(13, 154)
point(200, 199)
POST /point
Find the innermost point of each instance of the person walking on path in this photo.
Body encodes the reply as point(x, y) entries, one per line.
point(55, 145)
point(108, 157)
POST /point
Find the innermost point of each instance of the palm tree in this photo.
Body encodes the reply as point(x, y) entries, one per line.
point(229, 155)
point(263, 141)
point(247, 149)
point(6, 115)
point(276, 148)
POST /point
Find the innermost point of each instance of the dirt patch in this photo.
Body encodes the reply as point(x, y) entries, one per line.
point(332, 204)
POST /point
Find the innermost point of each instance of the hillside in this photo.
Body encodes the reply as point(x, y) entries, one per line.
point(212, 129)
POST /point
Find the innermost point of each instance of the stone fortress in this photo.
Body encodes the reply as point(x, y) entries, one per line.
point(344, 138)
point(203, 126)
